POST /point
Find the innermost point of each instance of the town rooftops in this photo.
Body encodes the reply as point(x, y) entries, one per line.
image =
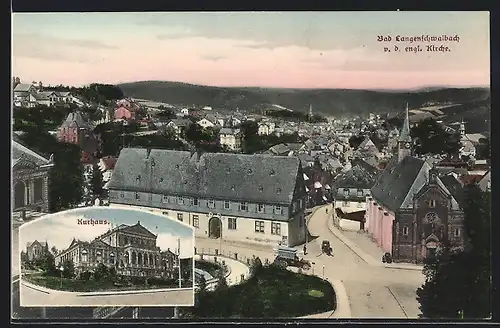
point(256, 178)
point(229, 131)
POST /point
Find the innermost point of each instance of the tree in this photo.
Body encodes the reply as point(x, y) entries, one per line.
point(96, 182)
point(221, 283)
point(100, 272)
point(166, 113)
point(54, 250)
point(68, 269)
point(483, 150)
point(202, 284)
point(431, 138)
point(458, 284)
point(66, 177)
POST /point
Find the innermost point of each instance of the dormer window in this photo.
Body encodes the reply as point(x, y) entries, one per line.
point(432, 203)
point(272, 173)
point(243, 206)
point(360, 192)
point(261, 189)
point(138, 178)
point(278, 210)
point(278, 191)
point(137, 196)
point(346, 192)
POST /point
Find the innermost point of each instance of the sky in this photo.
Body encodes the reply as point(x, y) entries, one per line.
point(265, 49)
point(60, 228)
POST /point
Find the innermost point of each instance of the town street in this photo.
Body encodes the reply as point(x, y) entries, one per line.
point(373, 291)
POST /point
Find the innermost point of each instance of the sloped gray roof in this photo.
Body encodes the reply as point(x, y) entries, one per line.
point(181, 122)
point(256, 178)
point(405, 131)
point(356, 177)
point(395, 182)
point(19, 152)
point(455, 188)
point(22, 87)
point(229, 131)
point(76, 118)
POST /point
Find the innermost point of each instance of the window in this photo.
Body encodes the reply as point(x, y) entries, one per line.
point(231, 223)
point(360, 192)
point(227, 204)
point(164, 213)
point(278, 209)
point(180, 216)
point(456, 233)
point(195, 202)
point(345, 204)
point(432, 203)
point(276, 228)
point(180, 200)
point(259, 226)
point(196, 221)
point(294, 207)
point(243, 206)
point(360, 205)
point(211, 203)
point(137, 196)
point(122, 195)
point(346, 192)
point(260, 208)
point(165, 199)
point(300, 203)
point(405, 231)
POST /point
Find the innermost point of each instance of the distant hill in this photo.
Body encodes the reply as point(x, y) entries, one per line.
point(335, 102)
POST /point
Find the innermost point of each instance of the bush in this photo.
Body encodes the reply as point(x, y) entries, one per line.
point(85, 275)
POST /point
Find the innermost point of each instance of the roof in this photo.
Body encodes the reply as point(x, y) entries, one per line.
point(405, 131)
point(395, 182)
point(21, 152)
point(109, 162)
point(23, 87)
point(181, 122)
point(358, 216)
point(229, 131)
point(357, 177)
point(42, 243)
point(76, 118)
point(137, 228)
point(454, 187)
point(256, 178)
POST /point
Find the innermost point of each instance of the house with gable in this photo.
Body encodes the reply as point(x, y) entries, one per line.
point(412, 210)
point(36, 250)
point(231, 138)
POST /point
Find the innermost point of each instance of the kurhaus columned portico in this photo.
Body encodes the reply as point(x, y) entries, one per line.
point(30, 179)
point(131, 250)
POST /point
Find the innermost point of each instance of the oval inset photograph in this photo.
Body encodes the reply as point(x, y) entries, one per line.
point(99, 256)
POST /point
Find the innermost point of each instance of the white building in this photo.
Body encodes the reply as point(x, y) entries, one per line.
point(266, 128)
point(248, 198)
point(205, 123)
point(231, 138)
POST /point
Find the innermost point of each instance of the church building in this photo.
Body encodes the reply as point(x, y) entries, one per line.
point(412, 210)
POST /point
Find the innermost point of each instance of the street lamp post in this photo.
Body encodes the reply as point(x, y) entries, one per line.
point(61, 268)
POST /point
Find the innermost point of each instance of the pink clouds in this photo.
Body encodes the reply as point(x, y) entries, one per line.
point(237, 63)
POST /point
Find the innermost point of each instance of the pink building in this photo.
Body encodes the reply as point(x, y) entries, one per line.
point(74, 129)
point(412, 210)
point(125, 113)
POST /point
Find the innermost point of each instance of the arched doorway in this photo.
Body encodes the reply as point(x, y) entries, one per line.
point(214, 227)
point(19, 194)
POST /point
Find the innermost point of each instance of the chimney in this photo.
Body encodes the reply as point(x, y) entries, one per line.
point(23, 214)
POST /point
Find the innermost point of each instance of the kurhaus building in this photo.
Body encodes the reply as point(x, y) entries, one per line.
point(255, 198)
point(130, 249)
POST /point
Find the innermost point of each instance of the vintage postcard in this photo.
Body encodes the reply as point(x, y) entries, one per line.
point(99, 256)
point(330, 165)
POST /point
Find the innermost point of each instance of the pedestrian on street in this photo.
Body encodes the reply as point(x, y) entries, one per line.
point(305, 249)
point(327, 210)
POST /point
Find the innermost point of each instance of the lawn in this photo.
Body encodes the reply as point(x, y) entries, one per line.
point(271, 293)
point(212, 268)
point(76, 285)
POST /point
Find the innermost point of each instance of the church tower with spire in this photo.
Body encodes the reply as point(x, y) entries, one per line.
point(310, 111)
point(405, 140)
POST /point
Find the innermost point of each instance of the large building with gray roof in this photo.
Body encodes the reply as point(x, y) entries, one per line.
point(413, 210)
point(252, 198)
